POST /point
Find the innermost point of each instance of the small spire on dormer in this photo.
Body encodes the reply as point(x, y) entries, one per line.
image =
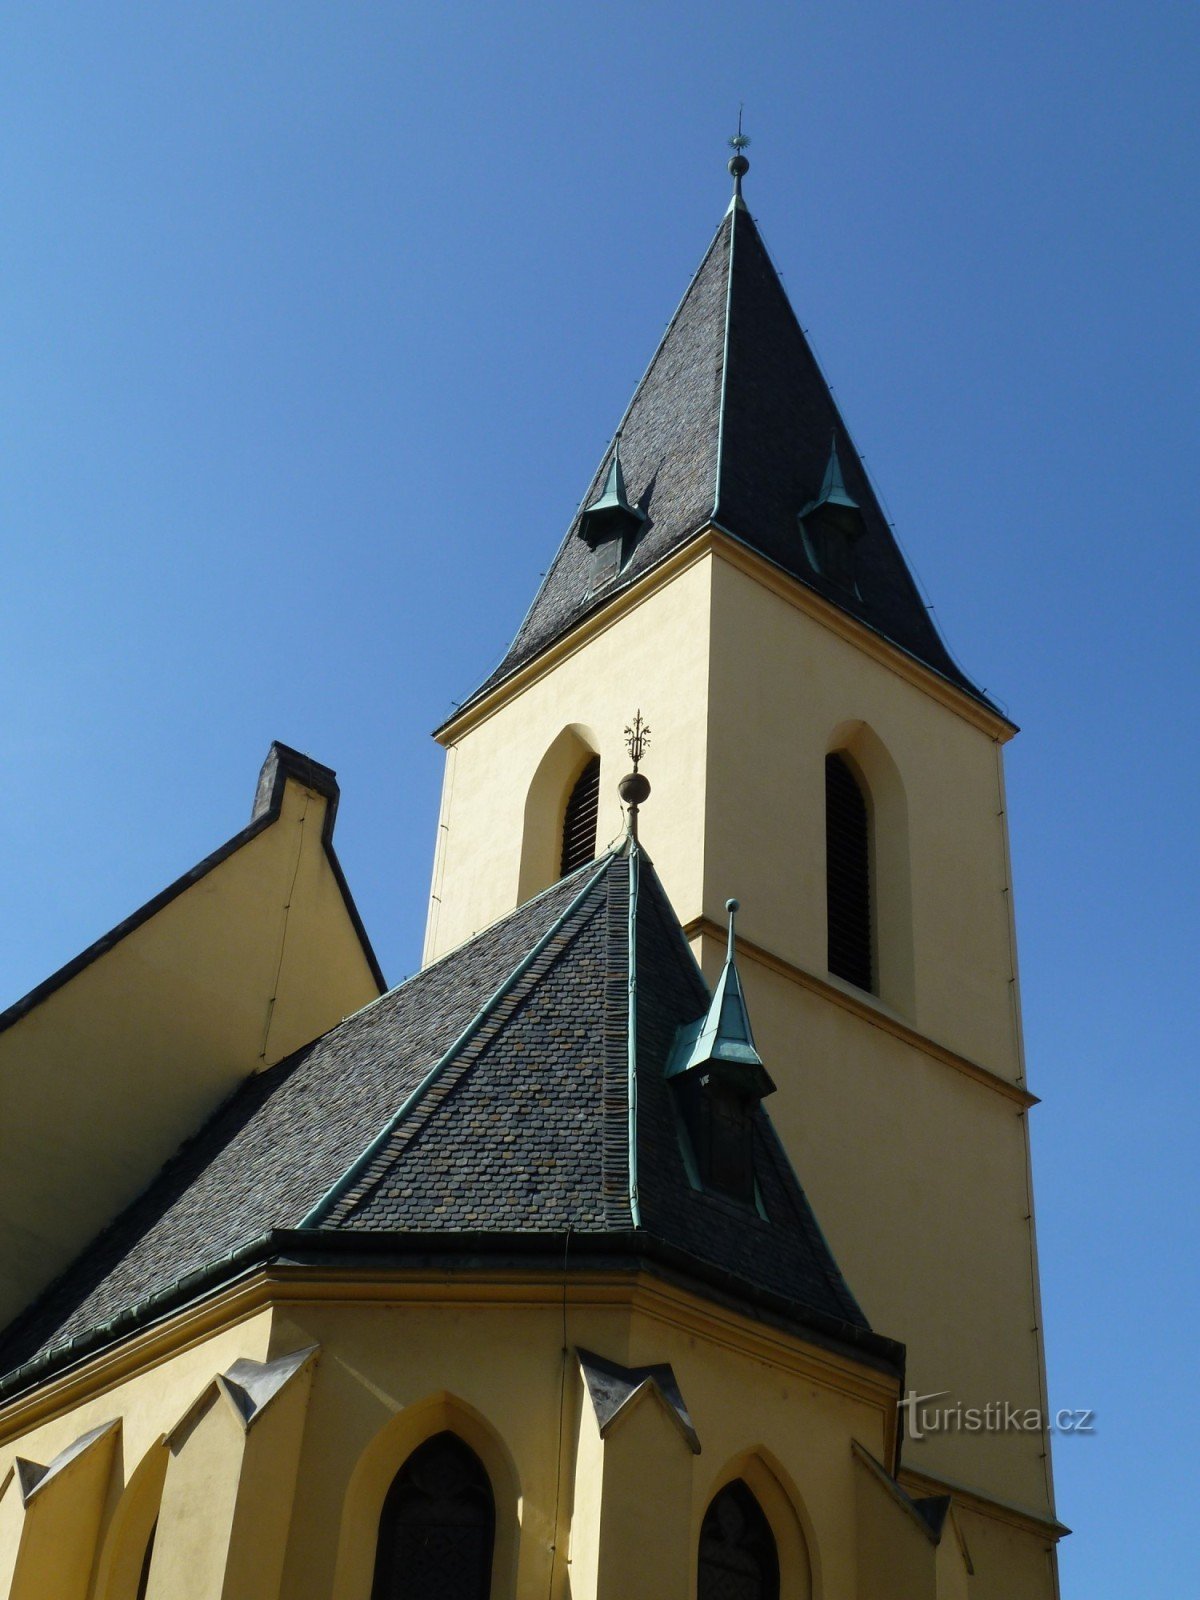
point(610, 515)
point(721, 1041)
point(834, 500)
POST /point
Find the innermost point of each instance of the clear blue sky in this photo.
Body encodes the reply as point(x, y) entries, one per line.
point(316, 320)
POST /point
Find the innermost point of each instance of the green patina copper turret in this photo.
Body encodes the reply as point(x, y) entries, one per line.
point(610, 515)
point(721, 1042)
point(834, 500)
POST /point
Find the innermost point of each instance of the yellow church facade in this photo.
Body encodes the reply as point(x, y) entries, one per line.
point(630, 1248)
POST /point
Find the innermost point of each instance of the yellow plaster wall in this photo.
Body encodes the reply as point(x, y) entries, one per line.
point(133, 1512)
point(12, 1521)
point(897, 1560)
point(200, 1495)
point(918, 1173)
point(56, 1542)
point(227, 1498)
point(494, 1371)
point(785, 689)
point(630, 1530)
point(104, 1078)
point(1007, 1560)
point(577, 1516)
point(656, 657)
point(148, 1402)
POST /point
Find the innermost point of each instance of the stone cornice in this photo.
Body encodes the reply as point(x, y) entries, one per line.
point(281, 1283)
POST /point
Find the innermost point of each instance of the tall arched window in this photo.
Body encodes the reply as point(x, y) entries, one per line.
point(848, 874)
point(738, 1558)
point(579, 819)
point(437, 1527)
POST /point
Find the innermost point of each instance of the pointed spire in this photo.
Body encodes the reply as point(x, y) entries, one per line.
point(610, 515)
point(722, 1040)
point(741, 454)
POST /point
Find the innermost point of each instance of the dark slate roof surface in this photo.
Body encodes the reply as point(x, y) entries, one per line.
point(284, 1136)
point(733, 423)
point(523, 1131)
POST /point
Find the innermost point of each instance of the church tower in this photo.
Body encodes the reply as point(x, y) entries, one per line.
point(669, 1235)
point(818, 753)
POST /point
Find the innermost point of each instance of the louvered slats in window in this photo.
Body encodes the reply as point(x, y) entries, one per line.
point(579, 820)
point(847, 875)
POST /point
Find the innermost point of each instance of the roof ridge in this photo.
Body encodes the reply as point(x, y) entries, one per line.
point(732, 214)
point(654, 359)
point(338, 1197)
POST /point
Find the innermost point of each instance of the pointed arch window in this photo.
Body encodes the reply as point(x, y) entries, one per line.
point(738, 1556)
point(579, 819)
point(848, 874)
point(438, 1527)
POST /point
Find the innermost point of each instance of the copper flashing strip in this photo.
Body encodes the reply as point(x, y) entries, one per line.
point(635, 1204)
point(732, 215)
point(875, 1015)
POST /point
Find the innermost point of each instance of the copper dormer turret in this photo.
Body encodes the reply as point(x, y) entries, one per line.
point(609, 524)
point(831, 524)
point(720, 1079)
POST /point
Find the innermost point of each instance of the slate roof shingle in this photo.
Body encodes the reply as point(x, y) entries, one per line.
point(522, 1131)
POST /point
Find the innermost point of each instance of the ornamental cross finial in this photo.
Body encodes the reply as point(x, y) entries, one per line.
point(739, 166)
point(637, 737)
point(634, 787)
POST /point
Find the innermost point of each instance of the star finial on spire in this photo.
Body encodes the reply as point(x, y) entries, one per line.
point(738, 165)
point(637, 737)
point(634, 787)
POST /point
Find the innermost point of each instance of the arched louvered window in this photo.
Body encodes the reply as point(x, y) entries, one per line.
point(437, 1527)
point(848, 874)
point(579, 819)
point(738, 1558)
